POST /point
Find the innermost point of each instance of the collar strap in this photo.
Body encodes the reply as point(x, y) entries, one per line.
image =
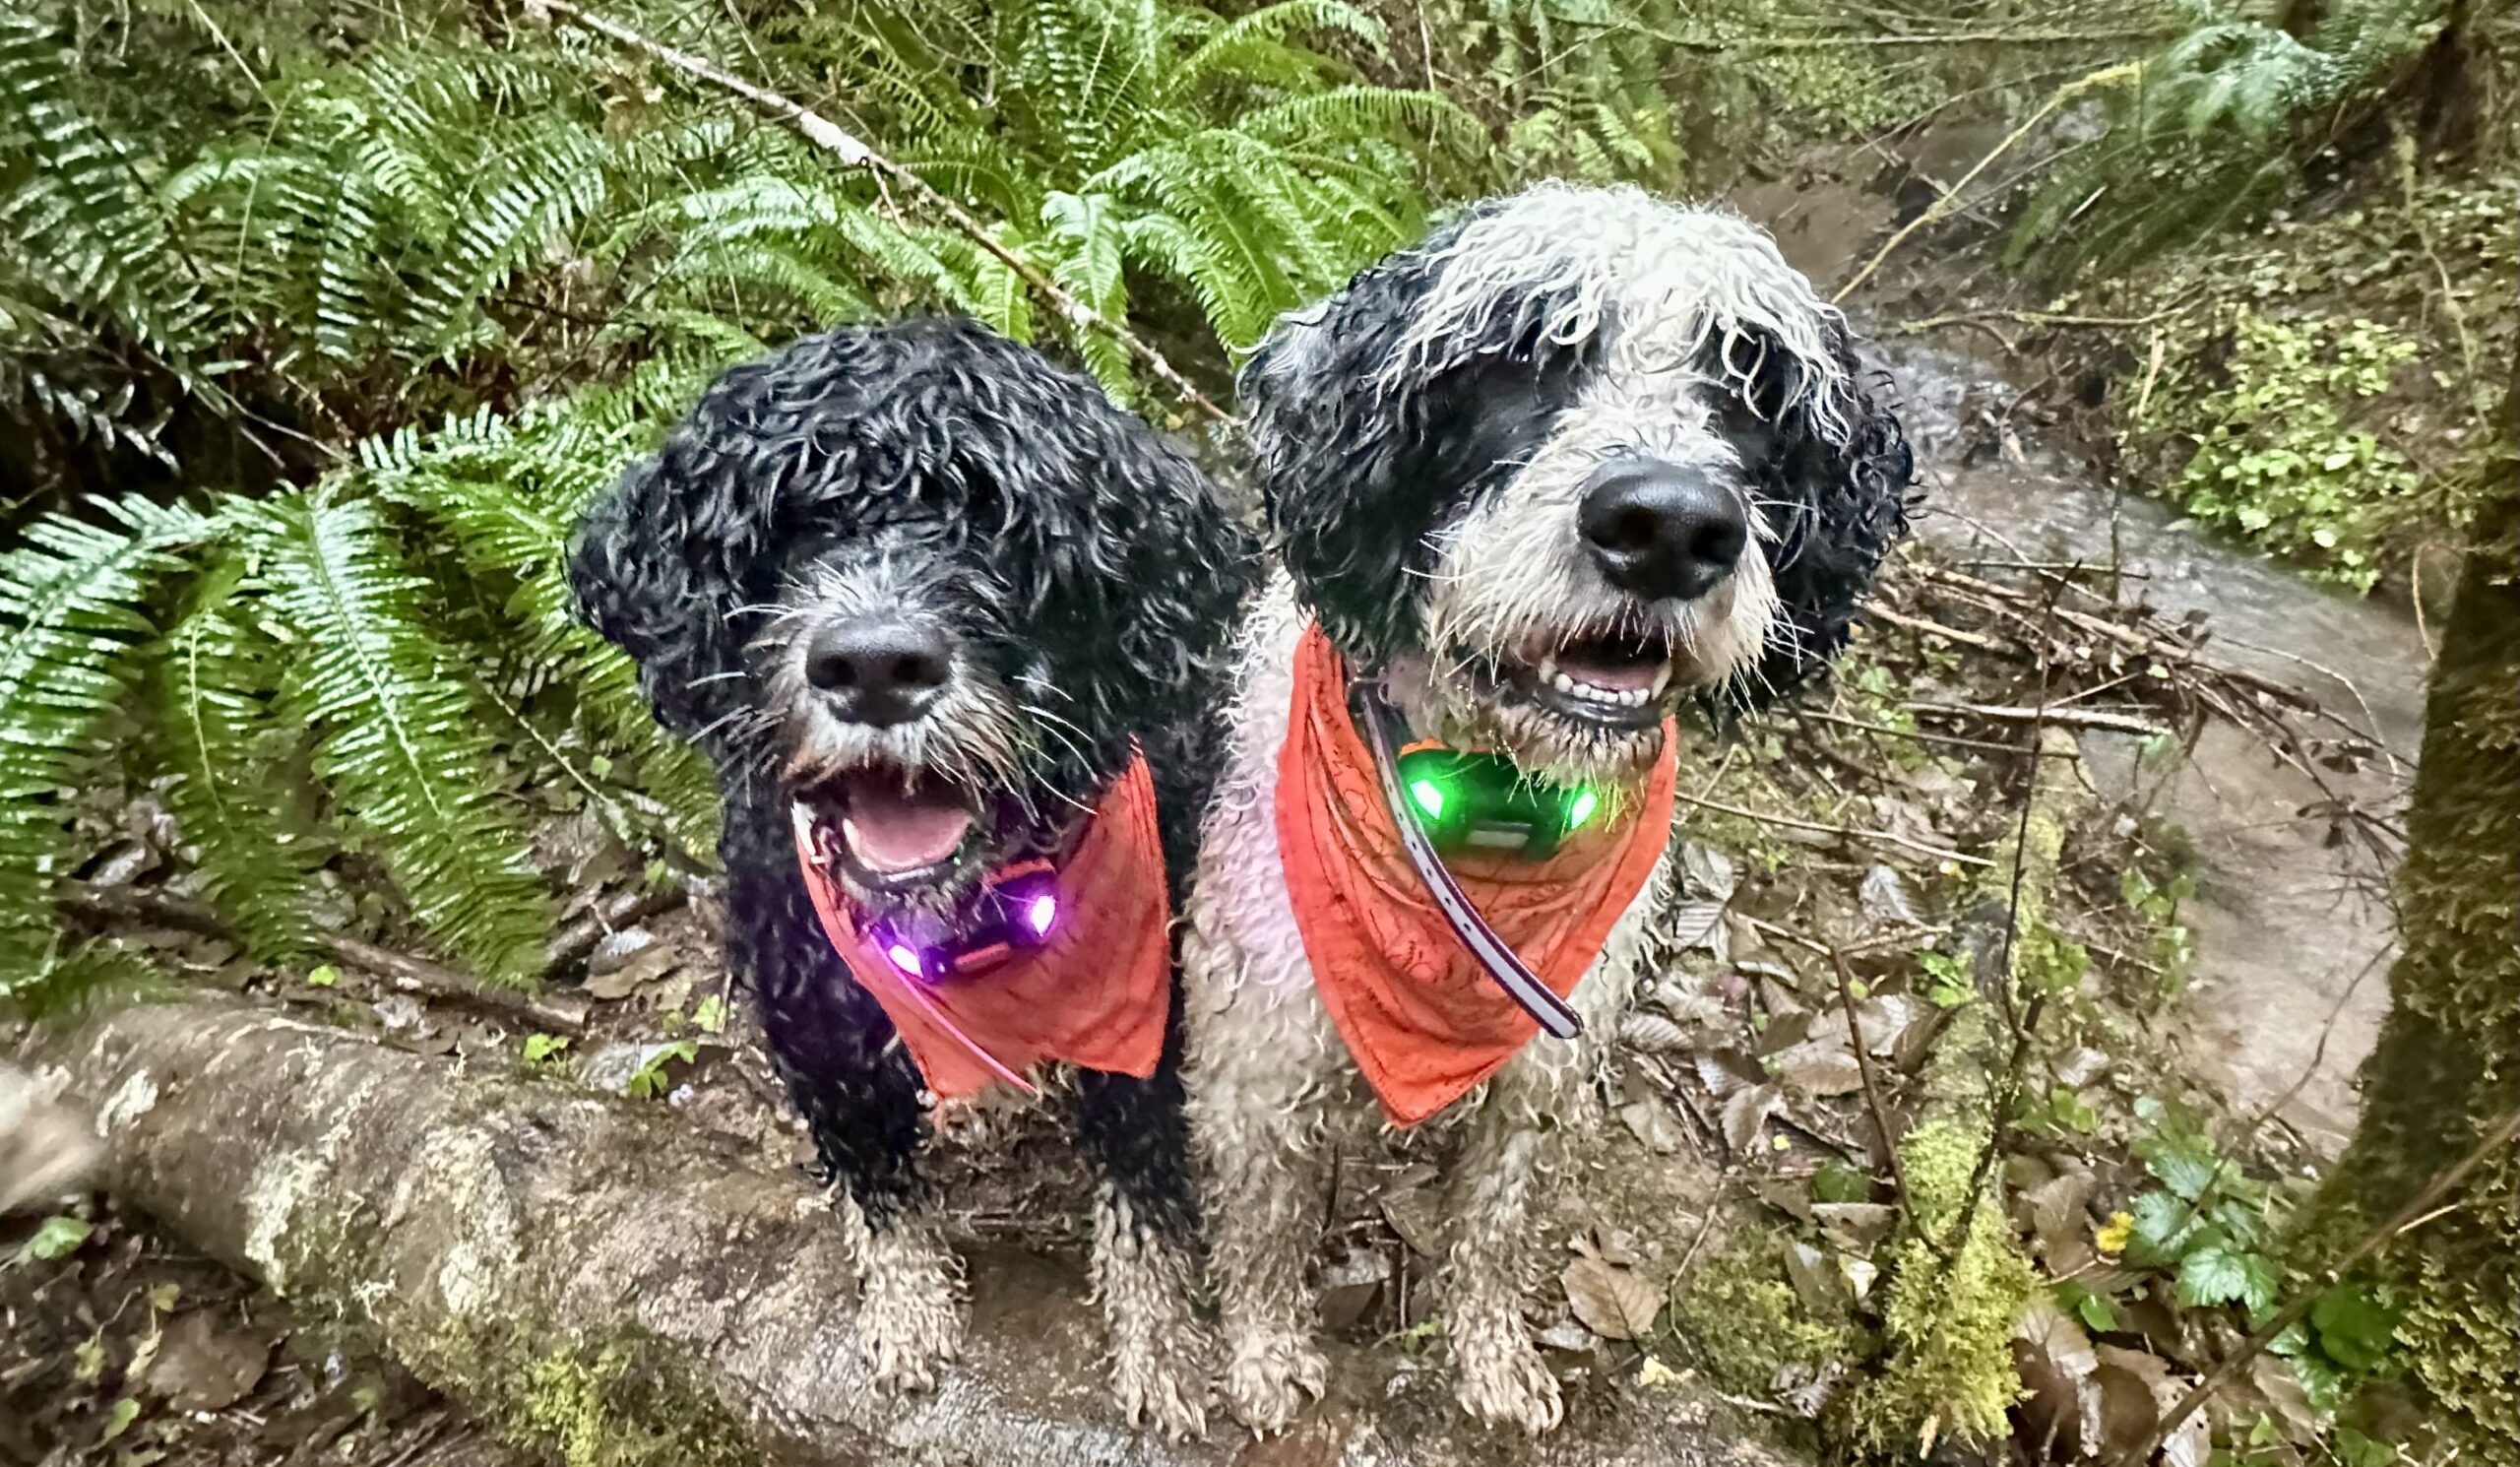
point(1377, 720)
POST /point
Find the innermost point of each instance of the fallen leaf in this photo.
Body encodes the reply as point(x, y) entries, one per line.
point(616, 949)
point(2286, 1401)
point(1350, 1287)
point(1884, 1017)
point(1567, 1337)
point(1746, 1114)
point(1615, 1303)
point(1861, 1223)
point(1786, 1029)
point(1654, 1374)
point(1726, 1073)
point(1417, 1214)
point(651, 964)
point(1885, 899)
point(1651, 1034)
point(2136, 1389)
point(1649, 1122)
point(2059, 1219)
point(206, 1364)
point(1819, 1071)
point(1707, 873)
point(1814, 1278)
point(1699, 926)
point(2058, 1367)
point(2081, 1067)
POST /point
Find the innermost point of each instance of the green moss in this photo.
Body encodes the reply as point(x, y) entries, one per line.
point(1743, 1323)
point(595, 1410)
point(1949, 1322)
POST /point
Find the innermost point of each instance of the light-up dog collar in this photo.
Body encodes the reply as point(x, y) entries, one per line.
point(1484, 811)
point(1484, 802)
point(1014, 911)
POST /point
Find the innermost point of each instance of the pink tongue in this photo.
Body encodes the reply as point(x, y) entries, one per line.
point(1621, 677)
point(889, 831)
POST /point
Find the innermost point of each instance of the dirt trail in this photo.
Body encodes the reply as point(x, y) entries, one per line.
point(2292, 930)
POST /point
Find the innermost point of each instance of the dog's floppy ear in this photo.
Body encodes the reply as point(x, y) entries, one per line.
point(1363, 441)
point(648, 566)
point(1831, 470)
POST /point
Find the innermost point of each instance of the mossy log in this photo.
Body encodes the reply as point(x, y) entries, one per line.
point(1957, 1279)
point(591, 1277)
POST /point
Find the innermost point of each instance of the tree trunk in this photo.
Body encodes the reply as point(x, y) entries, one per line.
point(2448, 1058)
point(593, 1279)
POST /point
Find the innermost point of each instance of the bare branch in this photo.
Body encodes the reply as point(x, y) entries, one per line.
point(2106, 75)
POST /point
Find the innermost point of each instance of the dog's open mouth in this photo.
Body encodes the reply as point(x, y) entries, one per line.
point(893, 828)
point(1612, 680)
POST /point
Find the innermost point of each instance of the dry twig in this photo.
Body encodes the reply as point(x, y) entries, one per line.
point(1872, 1086)
point(1793, 823)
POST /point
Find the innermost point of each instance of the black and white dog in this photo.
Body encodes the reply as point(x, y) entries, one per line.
point(938, 611)
point(1578, 455)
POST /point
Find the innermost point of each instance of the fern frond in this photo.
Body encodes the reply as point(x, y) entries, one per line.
point(72, 608)
point(396, 740)
point(234, 777)
point(1256, 48)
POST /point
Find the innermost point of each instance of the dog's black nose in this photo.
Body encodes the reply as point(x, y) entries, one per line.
point(879, 670)
point(1660, 531)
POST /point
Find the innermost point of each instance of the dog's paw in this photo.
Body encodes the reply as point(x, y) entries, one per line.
point(1271, 1377)
point(908, 1320)
point(1501, 1380)
point(1162, 1392)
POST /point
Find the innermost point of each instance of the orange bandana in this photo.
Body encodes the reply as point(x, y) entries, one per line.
point(1423, 1018)
point(1097, 995)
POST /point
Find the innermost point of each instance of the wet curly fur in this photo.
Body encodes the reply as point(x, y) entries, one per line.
point(1087, 576)
point(1423, 439)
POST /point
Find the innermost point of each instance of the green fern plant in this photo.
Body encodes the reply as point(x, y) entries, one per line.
point(298, 691)
point(73, 599)
point(1127, 141)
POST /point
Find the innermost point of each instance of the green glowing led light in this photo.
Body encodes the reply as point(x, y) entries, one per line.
point(1430, 798)
point(1580, 808)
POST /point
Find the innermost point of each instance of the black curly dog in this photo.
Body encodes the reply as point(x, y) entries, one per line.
point(933, 587)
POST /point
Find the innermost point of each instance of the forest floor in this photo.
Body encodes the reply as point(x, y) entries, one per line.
point(2226, 896)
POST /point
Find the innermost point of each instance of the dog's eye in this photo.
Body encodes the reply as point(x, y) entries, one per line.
point(1754, 437)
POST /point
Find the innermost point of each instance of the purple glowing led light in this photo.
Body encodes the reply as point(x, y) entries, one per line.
point(1041, 913)
point(903, 958)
